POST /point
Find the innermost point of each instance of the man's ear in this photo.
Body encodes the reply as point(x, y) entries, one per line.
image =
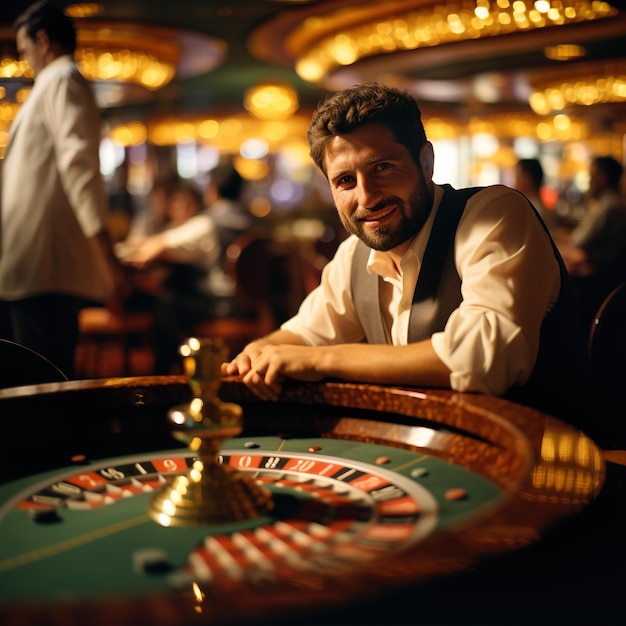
point(42, 40)
point(427, 160)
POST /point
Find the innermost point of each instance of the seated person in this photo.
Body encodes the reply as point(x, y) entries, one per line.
point(529, 180)
point(190, 250)
point(222, 200)
point(434, 287)
point(152, 219)
point(595, 251)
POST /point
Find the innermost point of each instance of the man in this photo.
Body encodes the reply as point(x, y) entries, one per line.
point(595, 251)
point(223, 200)
point(434, 287)
point(224, 204)
point(529, 180)
point(55, 252)
point(222, 197)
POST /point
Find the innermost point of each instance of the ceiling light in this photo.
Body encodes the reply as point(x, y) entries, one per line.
point(84, 9)
point(127, 66)
point(271, 101)
point(564, 52)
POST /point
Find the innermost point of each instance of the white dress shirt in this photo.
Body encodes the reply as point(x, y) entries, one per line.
point(52, 197)
point(193, 241)
point(510, 280)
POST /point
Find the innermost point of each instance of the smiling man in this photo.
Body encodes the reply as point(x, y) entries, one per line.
point(434, 287)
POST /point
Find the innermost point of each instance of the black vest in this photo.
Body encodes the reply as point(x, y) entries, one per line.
point(560, 383)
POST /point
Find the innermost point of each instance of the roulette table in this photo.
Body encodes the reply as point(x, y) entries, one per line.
point(386, 505)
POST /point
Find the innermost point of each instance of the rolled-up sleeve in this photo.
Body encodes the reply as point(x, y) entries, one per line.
point(510, 280)
point(194, 240)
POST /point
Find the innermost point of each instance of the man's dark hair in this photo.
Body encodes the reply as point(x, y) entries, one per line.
point(350, 109)
point(227, 181)
point(190, 189)
point(612, 169)
point(45, 15)
point(533, 168)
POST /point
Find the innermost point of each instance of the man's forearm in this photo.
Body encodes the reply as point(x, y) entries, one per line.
point(276, 338)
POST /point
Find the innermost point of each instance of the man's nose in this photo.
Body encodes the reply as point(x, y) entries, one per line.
point(368, 193)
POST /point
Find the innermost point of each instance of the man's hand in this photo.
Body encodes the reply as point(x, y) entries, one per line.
point(264, 365)
point(147, 251)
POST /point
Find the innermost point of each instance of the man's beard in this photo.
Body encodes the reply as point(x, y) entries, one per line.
point(412, 219)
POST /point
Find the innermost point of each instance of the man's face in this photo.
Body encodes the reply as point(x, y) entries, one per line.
point(522, 180)
point(182, 206)
point(31, 50)
point(381, 195)
point(597, 181)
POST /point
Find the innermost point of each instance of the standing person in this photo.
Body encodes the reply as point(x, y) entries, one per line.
point(55, 251)
point(595, 251)
point(529, 177)
point(460, 289)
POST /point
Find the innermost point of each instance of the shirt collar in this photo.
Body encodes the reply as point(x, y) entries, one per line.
point(382, 264)
point(62, 59)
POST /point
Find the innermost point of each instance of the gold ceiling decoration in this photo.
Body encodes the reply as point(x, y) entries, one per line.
point(228, 132)
point(125, 62)
point(349, 34)
point(127, 66)
point(563, 128)
point(586, 84)
point(148, 56)
point(121, 52)
point(127, 53)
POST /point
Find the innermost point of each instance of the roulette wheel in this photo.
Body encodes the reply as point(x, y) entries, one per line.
point(340, 503)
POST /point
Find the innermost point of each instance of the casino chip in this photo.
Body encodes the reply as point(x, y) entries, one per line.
point(151, 561)
point(45, 516)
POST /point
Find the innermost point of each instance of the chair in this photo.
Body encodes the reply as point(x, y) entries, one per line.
point(106, 337)
point(248, 262)
point(607, 353)
point(20, 366)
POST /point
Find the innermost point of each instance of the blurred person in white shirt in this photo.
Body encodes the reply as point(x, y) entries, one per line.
point(188, 248)
point(595, 251)
point(56, 253)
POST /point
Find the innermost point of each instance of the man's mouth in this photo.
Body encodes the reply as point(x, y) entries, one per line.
point(378, 216)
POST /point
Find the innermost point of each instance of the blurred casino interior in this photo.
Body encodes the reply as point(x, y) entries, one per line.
point(184, 83)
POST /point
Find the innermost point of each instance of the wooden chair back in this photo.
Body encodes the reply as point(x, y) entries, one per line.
point(248, 262)
point(607, 352)
point(105, 334)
